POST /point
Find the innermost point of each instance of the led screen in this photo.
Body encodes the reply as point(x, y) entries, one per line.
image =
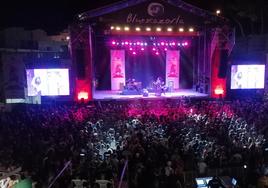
point(247, 76)
point(48, 82)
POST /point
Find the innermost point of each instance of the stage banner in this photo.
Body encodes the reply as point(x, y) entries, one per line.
point(117, 69)
point(172, 69)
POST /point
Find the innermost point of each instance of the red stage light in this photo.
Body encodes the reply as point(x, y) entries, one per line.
point(157, 53)
point(142, 49)
point(113, 42)
point(134, 53)
point(219, 90)
point(82, 95)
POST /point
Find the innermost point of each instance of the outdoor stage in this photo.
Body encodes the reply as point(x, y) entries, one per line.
point(104, 95)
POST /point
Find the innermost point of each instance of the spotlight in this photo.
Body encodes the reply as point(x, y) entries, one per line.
point(169, 29)
point(118, 28)
point(218, 11)
point(68, 38)
point(138, 43)
point(156, 53)
point(142, 49)
point(138, 29)
point(112, 27)
point(126, 28)
point(113, 42)
point(145, 44)
point(186, 43)
point(148, 29)
point(134, 53)
point(130, 49)
point(191, 29)
point(126, 43)
point(162, 43)
point(154, 49)
point(181, 29)
point(158, 29)
point(165, 49)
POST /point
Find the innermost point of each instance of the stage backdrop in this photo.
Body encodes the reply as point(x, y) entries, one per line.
point(172, 68)
point(117, 69)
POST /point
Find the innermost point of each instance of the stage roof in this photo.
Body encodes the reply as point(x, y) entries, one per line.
point(150, 12)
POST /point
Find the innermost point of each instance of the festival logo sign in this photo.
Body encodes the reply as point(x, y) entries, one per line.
point(156, 15)
point(155, 9)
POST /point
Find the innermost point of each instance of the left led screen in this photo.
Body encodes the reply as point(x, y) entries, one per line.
point(48, 82)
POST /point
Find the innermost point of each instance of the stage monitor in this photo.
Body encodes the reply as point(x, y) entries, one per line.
point(48, 82)
point(247, 76)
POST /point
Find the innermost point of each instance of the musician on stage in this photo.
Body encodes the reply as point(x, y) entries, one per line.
point(160, 86)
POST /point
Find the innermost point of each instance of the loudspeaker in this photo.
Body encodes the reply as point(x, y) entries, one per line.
point(80, 64)
point(223, 64)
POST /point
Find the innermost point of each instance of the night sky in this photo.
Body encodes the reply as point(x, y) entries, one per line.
point(54, 16)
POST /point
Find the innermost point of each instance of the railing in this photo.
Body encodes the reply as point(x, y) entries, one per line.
point(55, 179)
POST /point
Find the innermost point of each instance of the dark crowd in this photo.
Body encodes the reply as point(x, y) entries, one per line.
point(136, 143)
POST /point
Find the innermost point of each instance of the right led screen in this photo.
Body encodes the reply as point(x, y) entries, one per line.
point(247, 76)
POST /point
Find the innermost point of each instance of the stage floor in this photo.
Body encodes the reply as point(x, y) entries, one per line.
point(100, 95)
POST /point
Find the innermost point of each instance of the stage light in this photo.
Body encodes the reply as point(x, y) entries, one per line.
point(219, 90)
point(134, 53)
point(122, 43)
point(113, 42)
point(130, 49)
point(162, 43)
point(166, 44)
point(186, 43)
point(218, 12)
point(179, 44)
point(134, 44)
point(191, 29)
point(142, 49)
point(126, 28)
point(158, 29)
point(173, 44)
point(145, 44)
point(112, 27)
point(138, 29)
point(148, 29)
point(126, 43)
point(156, 53)
point(181, 29)
point(68, 38)
point(118, 28)
point(169, 29)
point(82, 95)
point(117, 43)
point(154, 49)
point(130, 43)
point(138, 43)
point(154, 44)
point(142, 44)
point(165, 49)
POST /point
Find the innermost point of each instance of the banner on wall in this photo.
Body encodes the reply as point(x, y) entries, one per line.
point(117, 69)
point(173, 69)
